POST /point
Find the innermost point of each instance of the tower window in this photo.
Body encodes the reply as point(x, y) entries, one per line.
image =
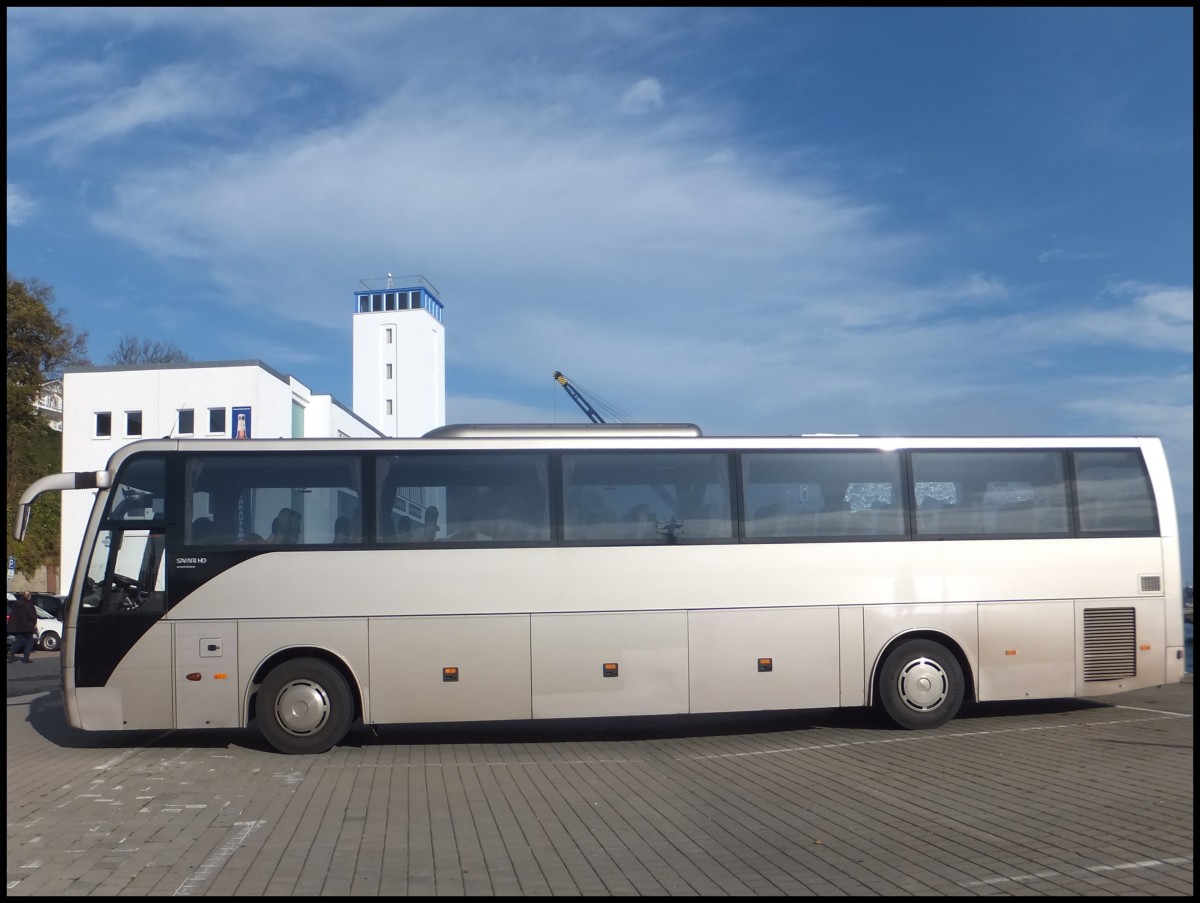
point(187, 422)
point(133, 423)
point(216, 420)
point(388, 335)
point(389, 371)
point(389, 407)
point(103, 424)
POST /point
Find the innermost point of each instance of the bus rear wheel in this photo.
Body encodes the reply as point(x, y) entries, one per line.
point(921, 684)
point(304, 706)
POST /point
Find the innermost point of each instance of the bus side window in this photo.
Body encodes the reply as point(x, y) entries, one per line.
point(126, 574)
point(1114, 493)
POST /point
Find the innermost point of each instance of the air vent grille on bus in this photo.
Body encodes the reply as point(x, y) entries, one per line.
point(1151, 583)
point(1109, 643)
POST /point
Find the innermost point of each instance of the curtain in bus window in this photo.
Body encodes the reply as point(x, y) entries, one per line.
point(653, 497)
point(463, 497)
point(990, 493)
point(1114, 493)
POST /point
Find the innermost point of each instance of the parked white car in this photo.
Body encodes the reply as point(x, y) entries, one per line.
point(49, 629)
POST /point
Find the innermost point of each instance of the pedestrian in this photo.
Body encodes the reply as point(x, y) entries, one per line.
point(22, 624)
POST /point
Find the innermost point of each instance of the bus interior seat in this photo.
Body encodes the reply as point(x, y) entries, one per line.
point(202, 531)
point(929, 515)
point(1015, 517)
point(776, 520)
point(858, 522)
point(708, 522)
point(888, 520)
point(643, 520)
point(768, 521)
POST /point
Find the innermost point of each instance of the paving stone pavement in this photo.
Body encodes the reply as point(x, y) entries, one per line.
point(1049, 798)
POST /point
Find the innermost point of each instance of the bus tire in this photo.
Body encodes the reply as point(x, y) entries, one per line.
point(304, 706)
point(921, 684)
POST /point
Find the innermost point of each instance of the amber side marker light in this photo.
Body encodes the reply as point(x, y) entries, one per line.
point(610, 669)
point(450, 675)
point(765, 664)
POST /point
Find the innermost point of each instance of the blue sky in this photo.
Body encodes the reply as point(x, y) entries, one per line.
point(921, 221)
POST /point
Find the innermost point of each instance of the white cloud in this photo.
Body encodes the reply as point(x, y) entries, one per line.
point(1172, 304)
point(645, 95)
point(174, 95)
point(1061, 254)
point(20, 206)
point(1154, 317)
point(476, 409)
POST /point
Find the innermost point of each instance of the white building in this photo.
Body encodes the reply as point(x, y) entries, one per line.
point(49, 403)
point(398, 355)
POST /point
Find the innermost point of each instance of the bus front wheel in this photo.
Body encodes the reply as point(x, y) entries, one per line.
point(921, 684)
point(304, 706)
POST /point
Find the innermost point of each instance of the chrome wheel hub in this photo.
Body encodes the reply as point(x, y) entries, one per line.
point(923, 685)
point(302, 707)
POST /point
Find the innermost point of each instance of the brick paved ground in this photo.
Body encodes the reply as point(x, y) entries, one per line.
point(1049, 798)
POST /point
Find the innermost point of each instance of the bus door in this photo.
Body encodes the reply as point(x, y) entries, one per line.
point(120, 649)
point(124, 597)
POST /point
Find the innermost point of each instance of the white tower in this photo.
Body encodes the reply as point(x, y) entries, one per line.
point(399, 356)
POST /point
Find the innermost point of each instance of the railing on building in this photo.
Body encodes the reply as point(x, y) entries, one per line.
point(388, 293)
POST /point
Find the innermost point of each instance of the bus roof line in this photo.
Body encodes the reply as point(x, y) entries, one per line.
point(563, 430)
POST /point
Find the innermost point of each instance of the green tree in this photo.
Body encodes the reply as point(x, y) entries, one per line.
point(40, 344)
point(132, 350)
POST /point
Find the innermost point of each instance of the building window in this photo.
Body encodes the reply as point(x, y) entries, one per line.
point(187, 422)
point(389, 371)
point(388, 336)
point(133, 423)
point(388, 403)
point(216, 420)
point(103, 424)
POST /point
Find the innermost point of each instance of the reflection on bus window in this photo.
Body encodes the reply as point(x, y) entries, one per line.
point(799, 495)
point(140, 493)
point(992, 493)
point(652, 497)
point(463, 498)
point(276, 500)
point(1114, 493)
point(126, 574)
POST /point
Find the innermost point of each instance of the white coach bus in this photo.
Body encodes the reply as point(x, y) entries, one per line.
point(550, 571)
